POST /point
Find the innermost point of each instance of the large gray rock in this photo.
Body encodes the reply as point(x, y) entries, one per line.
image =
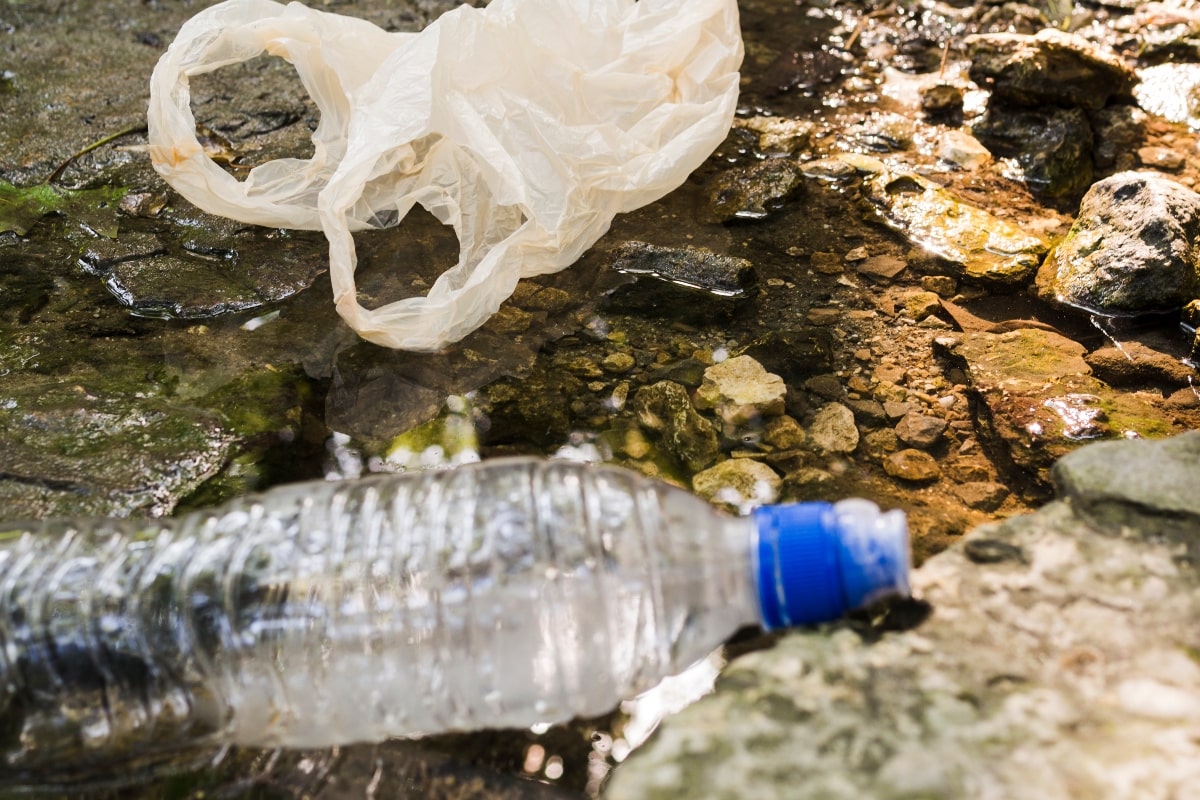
point(1133, 248)
point(1058, 661)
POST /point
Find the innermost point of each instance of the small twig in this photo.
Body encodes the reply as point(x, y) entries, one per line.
point(54, 176)
point(862, 23)
point(945, 60)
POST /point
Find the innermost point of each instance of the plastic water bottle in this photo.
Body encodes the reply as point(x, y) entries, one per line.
point(500, 594)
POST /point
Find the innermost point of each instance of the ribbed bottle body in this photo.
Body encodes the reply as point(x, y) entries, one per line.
point(503, 594)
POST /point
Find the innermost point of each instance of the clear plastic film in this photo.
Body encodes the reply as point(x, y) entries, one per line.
point(526, 126)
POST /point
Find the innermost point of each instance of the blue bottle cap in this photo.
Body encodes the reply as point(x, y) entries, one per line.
point(816, 561)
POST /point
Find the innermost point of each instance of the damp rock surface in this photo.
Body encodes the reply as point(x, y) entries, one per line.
point(1042, 399)
point(977, 245)
point(1051, 67)
point(1056, 661)
point(1132, 248)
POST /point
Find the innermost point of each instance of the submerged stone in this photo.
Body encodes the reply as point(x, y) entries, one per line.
point(778, 135)
point(736, 482)
point(1058, 662)
point(976, 244)
point(694, 267)
point(833, 429)
point(666, 409)
point(1049, 67)
point(911, 465)
point(740, 389)
point(1132, 248)
point(751, 193)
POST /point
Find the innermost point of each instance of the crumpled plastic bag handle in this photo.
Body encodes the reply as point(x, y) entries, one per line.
point(526, 125)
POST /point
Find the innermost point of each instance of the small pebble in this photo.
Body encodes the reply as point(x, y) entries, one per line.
point(618, 363)
point(982, 495)
point(833, 429)
point(1162, 158)
point(911, 465)
point(920, 430)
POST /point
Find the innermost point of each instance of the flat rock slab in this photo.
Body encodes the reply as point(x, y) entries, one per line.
point(1040, 400)
point(1058, 662)
point(977, 245)
point(68, 451)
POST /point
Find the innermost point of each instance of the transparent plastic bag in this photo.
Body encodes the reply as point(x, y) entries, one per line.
point(526, 125)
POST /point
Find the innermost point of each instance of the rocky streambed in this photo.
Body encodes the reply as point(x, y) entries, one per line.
point(943, 247)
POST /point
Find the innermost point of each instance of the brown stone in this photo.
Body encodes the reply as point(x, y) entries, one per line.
point(911, 465)
point(920, 430)
point(982, 495)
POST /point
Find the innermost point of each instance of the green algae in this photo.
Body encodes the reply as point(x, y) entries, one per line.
point(22, 208)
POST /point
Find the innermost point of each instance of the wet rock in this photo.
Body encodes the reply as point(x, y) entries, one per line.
point(1050, 67)
point(70, 452)
point(1118, 483)
point(736, 482)
point(694, 267)
point(185, 288)
point(1131, 249)
point(833, 429)
point(1170, 91)
point(739, 390)
point(869, 412)
point(919, 305)
point(618, 363)
point(896, 410)
point(120, 440)
point(689, 286)
point(100, 255)
point(1041, 400)
point(912, 465)
point(778, 135)
point(827, 263)
point(666, 409)
point(961, 148)
point(827, 387)
point(1161, 158)
point(1058, 662)
point(750, 193)
point(975, 244)
point(920, 430)
point(943, 286)
point(880, 132)
point(981, 495)
point(942, 102)
point(829, 169)
point(808, 483)
point(686, 371)
point(1053, 147)
point(793, 354)
point(1118, 131)
point(1134, 364)
point(784, 433)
